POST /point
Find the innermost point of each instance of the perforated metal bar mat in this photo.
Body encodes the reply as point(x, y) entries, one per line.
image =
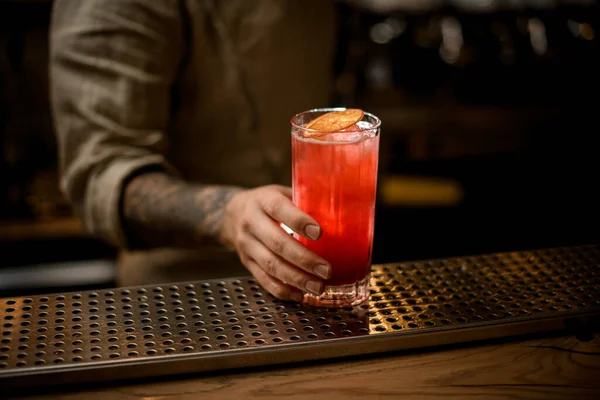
point(233, 323)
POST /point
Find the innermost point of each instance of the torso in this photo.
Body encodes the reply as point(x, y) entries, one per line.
point(285, 51)
point(275, 54)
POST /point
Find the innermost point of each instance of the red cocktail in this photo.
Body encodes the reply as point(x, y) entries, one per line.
point(335, 181)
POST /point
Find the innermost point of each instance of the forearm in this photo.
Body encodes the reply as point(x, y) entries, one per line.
point(162, 211)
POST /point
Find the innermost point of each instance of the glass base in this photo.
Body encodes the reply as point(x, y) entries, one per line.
point(340, 296)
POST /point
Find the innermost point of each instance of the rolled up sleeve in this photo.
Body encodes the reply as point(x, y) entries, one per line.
point(112, 67)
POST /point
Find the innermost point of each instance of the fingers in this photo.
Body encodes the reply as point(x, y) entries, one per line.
point(273, 285)
point(286, 247)
point(279, 207)
point(278, 268)
point(284, 266)
point(286, 191)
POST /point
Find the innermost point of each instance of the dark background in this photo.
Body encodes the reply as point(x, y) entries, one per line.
point(490, 115)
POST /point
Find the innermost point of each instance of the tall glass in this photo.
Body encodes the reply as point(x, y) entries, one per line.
point(334, 180)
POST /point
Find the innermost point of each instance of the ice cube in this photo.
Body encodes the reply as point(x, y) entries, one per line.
point(347, 137)
point(353, 128)
point(362, 125)
point(365, 127)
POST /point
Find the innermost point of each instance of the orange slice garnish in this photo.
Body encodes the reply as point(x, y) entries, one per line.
point(334, 121)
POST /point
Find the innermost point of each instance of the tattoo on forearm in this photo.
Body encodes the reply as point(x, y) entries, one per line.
point(162, 211)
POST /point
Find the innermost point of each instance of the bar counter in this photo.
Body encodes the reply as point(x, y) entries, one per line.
point(539, 368)
point(506, 325)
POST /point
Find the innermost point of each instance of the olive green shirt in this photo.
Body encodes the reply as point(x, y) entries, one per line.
point(202, 88)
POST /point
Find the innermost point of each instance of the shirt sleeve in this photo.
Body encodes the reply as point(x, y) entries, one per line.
point(112, 67)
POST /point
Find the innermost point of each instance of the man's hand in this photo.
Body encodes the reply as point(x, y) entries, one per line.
point(283, 265)
point(160, 210)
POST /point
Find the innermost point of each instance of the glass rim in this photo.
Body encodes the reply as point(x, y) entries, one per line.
point(375, 126)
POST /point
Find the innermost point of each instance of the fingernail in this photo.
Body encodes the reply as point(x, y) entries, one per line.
point(296, 296)
point(314, 287)
point(312, 231)
point(323, 271)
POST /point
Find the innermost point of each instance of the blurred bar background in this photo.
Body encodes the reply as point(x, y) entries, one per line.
point(489, 137)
